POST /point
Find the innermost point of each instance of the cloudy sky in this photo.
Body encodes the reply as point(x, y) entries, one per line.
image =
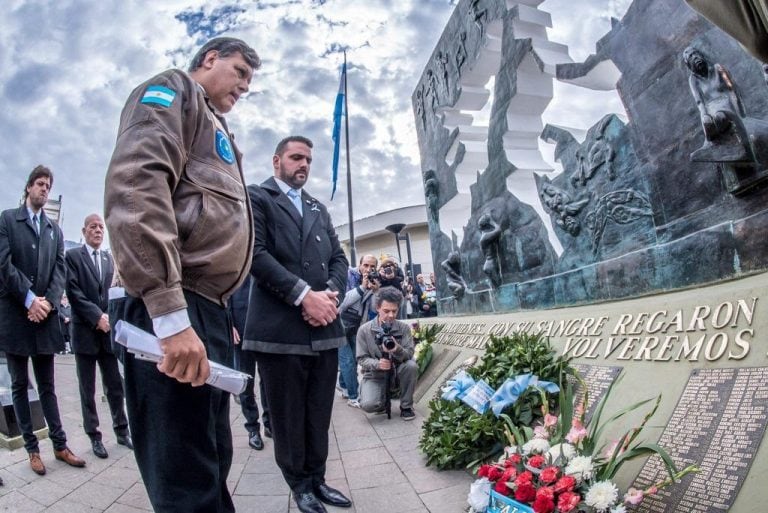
point(67, 66)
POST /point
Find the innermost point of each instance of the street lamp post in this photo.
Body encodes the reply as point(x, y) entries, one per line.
point(396, 229)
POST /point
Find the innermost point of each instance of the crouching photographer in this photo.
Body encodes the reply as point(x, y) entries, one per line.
point(385, 354)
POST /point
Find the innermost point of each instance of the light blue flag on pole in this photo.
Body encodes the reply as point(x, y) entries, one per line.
point(337, 112)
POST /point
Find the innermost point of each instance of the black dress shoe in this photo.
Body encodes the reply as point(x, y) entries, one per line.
point(267, 431)
point(125, 440)
point(255, 441)
point(308, 503)
point(98, 449)
point(332, 496)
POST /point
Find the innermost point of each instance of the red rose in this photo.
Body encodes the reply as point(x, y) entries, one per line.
point(543, 505)
point(568, 501)
point(525, 492)
point(509, 474)
point(565, 484)
point(546, 492)
point(502, 488)
point(537, 461)
point(483, 470)
point(549, 475)
point(494, 473)
point(524, 477)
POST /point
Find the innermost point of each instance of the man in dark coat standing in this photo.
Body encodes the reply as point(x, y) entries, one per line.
point(293, 326)
point(89, 275)
point(31, 285)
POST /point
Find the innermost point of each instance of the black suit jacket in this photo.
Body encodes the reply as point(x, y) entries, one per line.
point(291, 252)
point(29, 262)
point(88, 296)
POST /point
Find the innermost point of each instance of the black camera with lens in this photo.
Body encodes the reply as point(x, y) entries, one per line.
point(384, 338)
point(373, 276)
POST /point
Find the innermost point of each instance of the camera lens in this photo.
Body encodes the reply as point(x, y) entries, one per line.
point(390, 344)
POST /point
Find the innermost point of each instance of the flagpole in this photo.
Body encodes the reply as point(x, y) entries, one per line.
point(352, 249)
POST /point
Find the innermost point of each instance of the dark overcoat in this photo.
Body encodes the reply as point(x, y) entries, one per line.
point(89, 297)
point(29, 263)
point(290, 252)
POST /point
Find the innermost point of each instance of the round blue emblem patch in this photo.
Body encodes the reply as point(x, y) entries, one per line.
point(224, 148)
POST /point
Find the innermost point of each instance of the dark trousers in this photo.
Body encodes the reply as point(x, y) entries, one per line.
point(113, 387)
point(42, 365)
point(246, 362)
point(300, 396)
point(181, 435)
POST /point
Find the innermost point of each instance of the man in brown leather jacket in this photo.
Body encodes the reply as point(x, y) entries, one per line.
point(181, 233)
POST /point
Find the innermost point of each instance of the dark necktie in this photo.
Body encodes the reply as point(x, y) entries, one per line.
point(96, 263)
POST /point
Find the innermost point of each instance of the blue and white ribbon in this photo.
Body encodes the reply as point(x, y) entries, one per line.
point(457, 387)
point(509, 392)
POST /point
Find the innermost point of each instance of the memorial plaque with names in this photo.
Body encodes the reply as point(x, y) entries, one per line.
point(598, 378)
point(718, 424)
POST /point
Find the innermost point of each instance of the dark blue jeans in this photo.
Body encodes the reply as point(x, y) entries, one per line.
point(348, 364)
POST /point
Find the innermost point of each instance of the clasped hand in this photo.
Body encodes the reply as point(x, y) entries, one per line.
point(39, 309)
point(319, 308)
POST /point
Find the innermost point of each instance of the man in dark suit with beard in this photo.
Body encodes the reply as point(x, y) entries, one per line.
point(89, 275)
point(31, 285)
point(293, 326)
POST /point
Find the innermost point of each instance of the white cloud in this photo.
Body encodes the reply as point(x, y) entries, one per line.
point(66, 67)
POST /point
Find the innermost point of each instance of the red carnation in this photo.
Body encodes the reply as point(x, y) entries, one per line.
point(523, 478)
point(483, 470)
point(525, 492)
point(565, 484)
point(549, 475)
point(543, 505)
point(494, 473)
point(568, 501)
point(537, 461)
point(509, 474)
point(502, 488)
point(546, 492)
point(515, 458)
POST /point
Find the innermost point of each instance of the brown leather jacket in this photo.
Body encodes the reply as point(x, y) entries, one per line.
point(175, 201)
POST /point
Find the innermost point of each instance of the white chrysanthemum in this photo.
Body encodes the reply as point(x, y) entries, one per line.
point(536, 446)
point(602, 495)
point(580, 467)
point(567, 451)
point(479, 494)
point(619, 509)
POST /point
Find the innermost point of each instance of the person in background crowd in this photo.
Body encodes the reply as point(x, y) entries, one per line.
point(183, 244)
point(293, 324)
point(32, 275)
point(356, 309)
point(429, 297)
point(65, 317)
point(347, 363)
point(246, 362)
point(89, 275)
point(355, 274)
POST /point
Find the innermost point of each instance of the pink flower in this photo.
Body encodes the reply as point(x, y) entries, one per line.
point(545, 491)
point(577, 433)
point(565, 484)
point(509, 474)
point(523, 478)
point(568, 501)
point(651, 491)
point(540, 432)
point(536, 461)
point(633, 496)
point(550, 420)
point(549, 475)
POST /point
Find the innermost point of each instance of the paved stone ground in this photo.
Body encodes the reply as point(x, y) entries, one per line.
point(374, 460)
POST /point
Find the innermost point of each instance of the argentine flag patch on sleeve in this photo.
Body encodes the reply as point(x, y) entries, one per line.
point(159, 95)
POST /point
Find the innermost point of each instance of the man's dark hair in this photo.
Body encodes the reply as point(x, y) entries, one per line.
point(390, 295)
point(226, 46)
point(291, 138)
point(38, 172)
